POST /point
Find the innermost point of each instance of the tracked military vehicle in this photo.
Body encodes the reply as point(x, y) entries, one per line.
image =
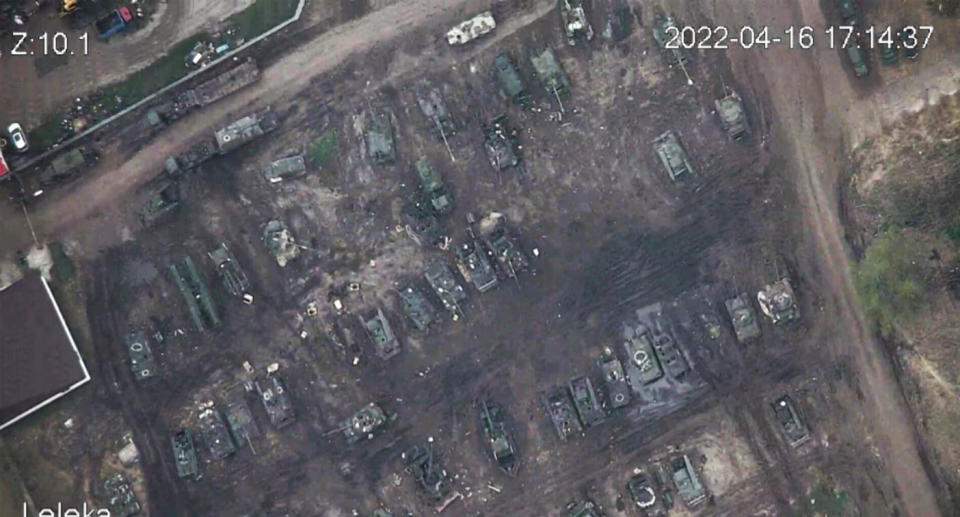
point(378, 330)
point(618, 389)
point(643, 366)
point(122, 501)
point(227, 83)
point(744, 320)
point(421, 220)
point(475, 268)
point(196, 155)
point(184, 454)
point(791, 422)
point(160, 201)
point(778, 302)
point(562, 414)
point(280, 242)
point(575, 23)
point(245, 130)
point(511, 83)
point(234, 279)
point(669, 353)
point(439, 199)
point(276, 401)
point(240, 420)
point(501, 443)
point(421, 463)
point(641, 492)
point(585, 401)
point(501, 144)
point(858, 60)
point(381, 143)
point(195, 294)
point(445, 285)
point(285, 168)
point(433, 107)
point(364, 423)
point(673, 156)
point(142, 362)
point(550, 73)
point(686, 480)
point(510, 259)
point(733, 117)
point(214, 433)
point(471, 29)
point(417, 307)
point(664, 30)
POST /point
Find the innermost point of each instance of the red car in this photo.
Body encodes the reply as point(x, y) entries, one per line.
point(4, 168)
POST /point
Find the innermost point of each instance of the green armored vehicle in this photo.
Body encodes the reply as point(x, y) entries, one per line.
point(618, 388)
point(162, 200)
point(672, 155)
point(65, 166)
point(643, 367)
point(665, 30)
point(141, 357)
point(195, 294)
point(501, 443)
point(435, 110)
point(445, 285)
point(417, 307)
point(501, 144)
point(381, 143)
point(234, 279)
point(245, 130)
point(511, 84)
point(791, 422)
point(431, 476)
point(743, 318)
point(123, 502)
point(858, 60)
point(778, 302)
point(285, 168)
point(379, 332)
point(562, 414)
point(280, 242)
point(240, 420)
point(732, 116)
point(550, 73)
point(184, 454)
point(686, 480)
point(439, 199)
point(475, 268)
point(276, 402)
point(364, 423)
point(575, 23)
point(214, 433)
point(510, 259)
point(585, 401)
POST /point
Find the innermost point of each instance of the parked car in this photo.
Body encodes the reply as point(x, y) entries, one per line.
point(18, 138)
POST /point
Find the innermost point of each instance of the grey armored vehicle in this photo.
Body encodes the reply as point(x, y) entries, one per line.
point(276, 402)
point(383, 338)
point(214, 433)
point(420, 462)
point(550, 73)
point(159, 201)
point(562, 414)
point(575, 24)
point(640, 491)
point(227, 83)
point(381, 143)
point(672, 155)
point(435, 110)
point(417, 307)
point(141, 357)
point(585, 401)
point(445, 285)
point(501, 144)
point(439, 199)
point(584, 509)
point(671, 358)
point(643, 367)
point(240, 421)
point(364, 423)
point(617, 386)
point(510, 81)
point(245, 130)
point(733, 118)
point(184, 454)
point(791, 422)
point(744, 320)
point(501, 443)
point(665, 30)
point(195, 294)
point(234, 279)
point(123, 502)
point(280, 242)
point(421, 222)
point(686, 480)
point(475, 268)
point(511, 260)
point(285, 168)
point(778, 302)
point(192, 158)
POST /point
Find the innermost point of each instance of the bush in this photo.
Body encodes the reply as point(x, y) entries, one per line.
point(891, 279)
point(324, 151)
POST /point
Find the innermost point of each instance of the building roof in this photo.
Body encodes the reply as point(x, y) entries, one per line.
point(39, 361)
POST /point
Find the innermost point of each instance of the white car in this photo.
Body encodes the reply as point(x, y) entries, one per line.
point(18, 138)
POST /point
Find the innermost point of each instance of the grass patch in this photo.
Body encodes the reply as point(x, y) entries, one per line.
point(46, 134)
point(262, 16)
point(824, 502)
point(325, 150)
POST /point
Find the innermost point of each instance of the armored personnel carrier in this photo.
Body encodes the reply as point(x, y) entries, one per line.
point(669, 353)
point(234, 279)
point(562, 414)
point(550, 73)
point(501, 443)
point(439, 199)
point(686, 480)
point(123, 502)
point(195, 294)
point(420, 462)
point(364, 423)
point(141, 357)
point(380, 140)
point(475, 268)
point(511, 260)
point(778, 302)
point(791, 422)
point(214, 433)
point(585, 401)
point(643, 367)
point(159, 201)
point(378, 330)
point(417, 307)
point(280, 242)
point(276, 402)
point(285, 168)
point(184, 454)
point(617, 387)
point(672, 155)
point(584, 509)
point(501, 144)
point(511, 84)
point(445, 285)
point(664, 30)
point(471, 29)
point(433, 107)
point(641, 492)
point(245, 130)
point(733, 118)
point(743, 318)
point(575, 24)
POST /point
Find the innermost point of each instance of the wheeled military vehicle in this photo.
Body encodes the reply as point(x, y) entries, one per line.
point(733, 117)
point(420, 462)
point(643, 366)
point(285, 168)
point(672, 155)
point(585, 401)
point(562, 414)
point(501, 443)
point(276, 401)
point(686, 480)
point(550, 73)
point(791, 422)
point(184, 454)
point(195, 294)
point(510, 259)
point(778, 302)
point(142, 362)
point(618, 390)
point(640, 491)
point(381, 335)
point(471, 29)
point(744, 320)
point(665, 30)
point(575, 23)
point(280, 242)
point(417, 307)
point(445, 285)
point(511, 83)
point(122, 501)
point(439, 199)
point(501, 144)
point(475, 267)
point(234, 279)
point(364, 423)
point(858, 60)
point(381, 144)
point(433, 107)
point(162, 199)
point(214, 433)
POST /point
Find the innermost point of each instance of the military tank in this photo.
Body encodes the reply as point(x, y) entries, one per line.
point(551, 74)
point(184, 454)
point(575, 24)
point(422, 224)
point(510, 259)
point(417, 307)
point(431, 476)
point(195, 294)
point(280, 242)
point(123, 501)
point(234, 279)
point(791, 422)
point(669, 353)
point(685, 479)
point(364, 423)
point(381, 144)
point(276, 401)
point(643, 366)
point(640, 491)
point(585, 401)
point(501, 443)
point(511, 83)
point(214, 433)
point(475, 268)
point(562, 414)
point(381, 335)
point(618, 389)
point(733, 117)
point(440, 200)
point(240, 420)
point(778, 302)
point(673, 156)
point(501, 144)
point(664, 30)
point(435, 109)
point(142, 363)
point(744, 320)
point(445, 285)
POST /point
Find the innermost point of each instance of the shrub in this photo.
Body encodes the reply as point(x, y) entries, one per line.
point(891, 279)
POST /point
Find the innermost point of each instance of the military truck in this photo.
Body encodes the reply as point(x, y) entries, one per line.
point(575, 23)
point(858, 60)
point(562, 414)
point(495, 233)
point(778, 302)
point(276, 401)
point(378, 330)
point(475, 268)
point(511, 83)
point(234, 279)
point(280, 242)
point(142, 363)
point(195, 294)
point(245, 130)
point(435, 109)
point(744, 320)
point(445, 285)
point(550, 73)
point(159, 201)
point(417, 307)
point(471, 29)
point(585, 508)
point(733, 118)
point(214, 433)
point(640, 491)
point(669, 353)
point(501, 144)
point(643, 367)
point(421, 463)
point(122, 501)
point(501, 443)
point(686, 480)
point(440, 200)
point(673, 156)
point(618, 389)
point(66, 166)
point(285, 168)
point(794, 429)
point(364, 423)
point(664, 30)
point(381, 143)
point(585, 401)
point(184, 454)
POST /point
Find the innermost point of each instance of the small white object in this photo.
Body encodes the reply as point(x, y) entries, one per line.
point(248, 298)
point(536, 252)
point(337, 304)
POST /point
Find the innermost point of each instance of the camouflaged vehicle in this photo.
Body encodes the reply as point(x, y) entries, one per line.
point(195, 294)
point(669, 353)
point(417, 307)
point(439, 199)
point(744, 320)
point(733, 117)
point(381, 143)
point(285, 168)
point(280, 242)
point(643, 366)
point(122, 501)
point(511, 83)
point(420, 462)
point(501, 443)
point(495, 232)
point(159, 201)
point(475, 268)
point(214, 433)
point(665, 30)
point(276, 401)
point(422, 224)
point(672, 155)
point(142, 363)
point(640, 491)
point(575, 23)
point(364, 423)
point(584, 509)
point(245, 130)
point(445, 285)
point(501, 144)
point(686, 480)
point(585, 401)
point(435, 109)
point(184, 454)
point(65, 166)
point(791, 422)
point(378, 330)
point(471, 29)
point(562, 414)
point(550, 73)
point(618, 388)
point(234, 279)
point(778, 302)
